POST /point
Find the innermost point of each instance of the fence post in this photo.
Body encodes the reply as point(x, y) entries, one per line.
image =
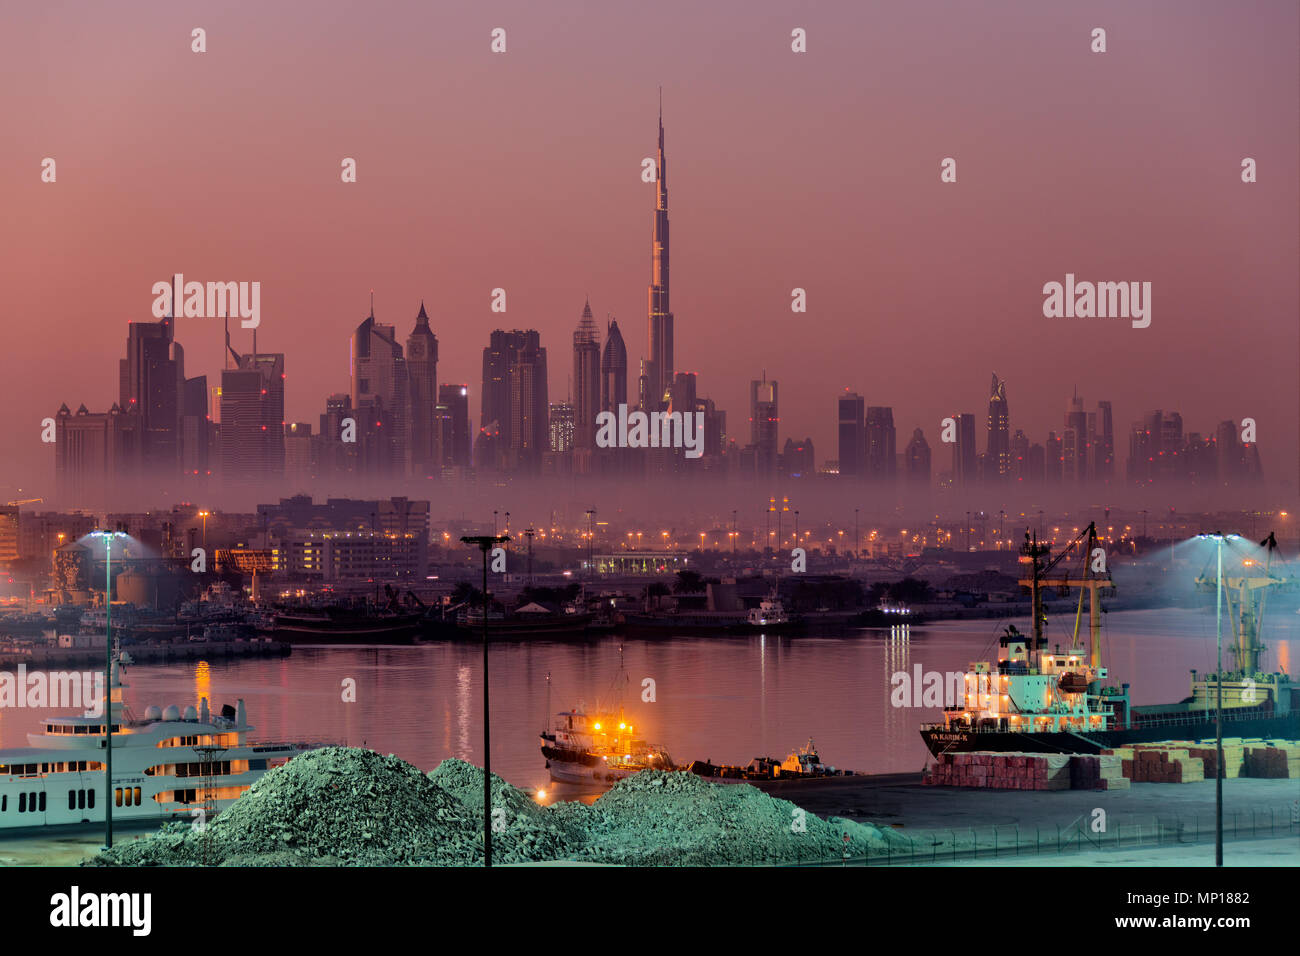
point(995, 841)
point(975, 844)
point(953, 834)
point(1058, 838)
point(1017, 839)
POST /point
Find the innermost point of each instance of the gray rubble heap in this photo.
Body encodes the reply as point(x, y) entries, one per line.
point(678, 819)
point(342, 806)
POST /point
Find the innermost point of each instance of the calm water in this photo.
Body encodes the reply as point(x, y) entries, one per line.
point(728, 699)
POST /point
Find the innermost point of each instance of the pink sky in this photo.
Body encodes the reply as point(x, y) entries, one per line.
point(818, 170)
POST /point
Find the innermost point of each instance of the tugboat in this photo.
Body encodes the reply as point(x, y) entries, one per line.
point(600, 747)
point(801, 764)
point(1031, 701)
point(770, 615)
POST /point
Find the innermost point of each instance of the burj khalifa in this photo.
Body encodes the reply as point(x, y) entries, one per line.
point(657, 369)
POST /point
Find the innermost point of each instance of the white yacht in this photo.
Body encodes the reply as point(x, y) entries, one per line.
point(166, 766)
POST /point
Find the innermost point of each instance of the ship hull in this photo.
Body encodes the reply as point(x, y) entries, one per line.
point(964, 741)
point(568, 626)
point(562, 771)
point(293, 629)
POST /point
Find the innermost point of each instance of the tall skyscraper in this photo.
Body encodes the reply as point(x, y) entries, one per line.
point(964, 459)
point(917, 457)
point(95, 454)
point(299, 447)
point(514, 413)
point(998, 455)
point(1053, 459)
point(454, 399)
point(196, 428)
point(422, 371)
point(333, 455)
point(151, 382)
point(381, 398)
point(764, 424)
point(1104, 443)
point(851, 434)
point(1228, 457)
point(252, 418)
point(613, 370)
point(881, 439)
point(798, 458)
point(1075, 439)
point(586, 385)
point(658, 368)
point(1019, 457)
point(561, 428)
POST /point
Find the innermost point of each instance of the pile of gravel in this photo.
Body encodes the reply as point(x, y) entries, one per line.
point(333, 806)
point(344, 807)
point(522, 830)
point(657, 818)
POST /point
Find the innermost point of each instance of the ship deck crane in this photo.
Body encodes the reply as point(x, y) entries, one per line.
point(1091, 581)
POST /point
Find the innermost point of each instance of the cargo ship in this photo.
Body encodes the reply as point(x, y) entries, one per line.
point(337, 625)
point(1032, 701)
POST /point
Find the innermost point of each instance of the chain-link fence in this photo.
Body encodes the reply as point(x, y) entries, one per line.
point(969, 844)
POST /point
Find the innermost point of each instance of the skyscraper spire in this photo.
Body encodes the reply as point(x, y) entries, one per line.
point(659, 332)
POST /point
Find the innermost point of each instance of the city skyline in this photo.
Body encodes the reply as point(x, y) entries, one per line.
point(895, 268)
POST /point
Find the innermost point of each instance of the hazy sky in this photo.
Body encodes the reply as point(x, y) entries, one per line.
point(819, 170)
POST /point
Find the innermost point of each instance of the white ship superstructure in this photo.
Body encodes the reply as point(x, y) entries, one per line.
point(165, 766)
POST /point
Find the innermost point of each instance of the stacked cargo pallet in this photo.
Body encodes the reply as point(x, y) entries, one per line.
point(1153, 762)
point(1099, 772)
point(1276, 758)
point(1000, 771)
point(1166, 762)
point(1175, 765)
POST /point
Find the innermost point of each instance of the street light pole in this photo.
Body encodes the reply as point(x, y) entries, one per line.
point(1218, 719)
point(485, 544)
point(107, 703)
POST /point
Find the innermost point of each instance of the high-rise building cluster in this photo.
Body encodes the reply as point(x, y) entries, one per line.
point(397, 421)
point(1081, 452)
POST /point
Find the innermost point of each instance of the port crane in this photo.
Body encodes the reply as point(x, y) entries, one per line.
point(1245, 596)
point(1091, 581)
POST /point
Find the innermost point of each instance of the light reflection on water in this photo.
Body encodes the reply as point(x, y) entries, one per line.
point(726, 699)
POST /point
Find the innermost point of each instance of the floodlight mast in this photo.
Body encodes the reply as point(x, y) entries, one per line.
point(486, 543)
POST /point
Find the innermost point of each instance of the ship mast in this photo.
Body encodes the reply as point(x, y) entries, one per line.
point(1034, 551)
point(1093, 583)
